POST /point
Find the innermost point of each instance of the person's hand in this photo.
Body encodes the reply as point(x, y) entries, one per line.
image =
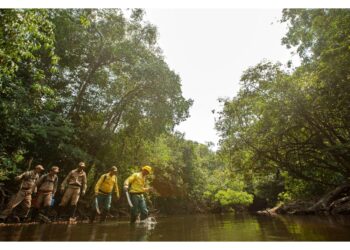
point(62, 190)
point(17, 178)
point(83, 193)
point(126, 188)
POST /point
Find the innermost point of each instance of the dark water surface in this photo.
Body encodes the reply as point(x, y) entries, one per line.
point(228, 227)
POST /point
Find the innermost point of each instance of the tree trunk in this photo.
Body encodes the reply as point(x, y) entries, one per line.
point(324, 203)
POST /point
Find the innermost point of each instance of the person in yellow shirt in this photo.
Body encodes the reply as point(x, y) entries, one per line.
point(103, 193)
point(136, 186)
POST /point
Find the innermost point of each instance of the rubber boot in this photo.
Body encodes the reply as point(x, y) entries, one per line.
point(46, 211)
point(43, 215)
point(3, 218)
point(143, 216)
point(35, 213)
point(103, 216)
point(93, 215)
point(133, 219)
point(59, 213)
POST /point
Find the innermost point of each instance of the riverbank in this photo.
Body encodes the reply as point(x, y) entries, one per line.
point(335, 202)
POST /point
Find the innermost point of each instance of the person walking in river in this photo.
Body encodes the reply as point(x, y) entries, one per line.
point(103, 193)
point(24, 195)
point(73, 186)
point(46, 186)
point(137, 184)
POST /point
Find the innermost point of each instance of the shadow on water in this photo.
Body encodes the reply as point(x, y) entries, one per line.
point(228, 227)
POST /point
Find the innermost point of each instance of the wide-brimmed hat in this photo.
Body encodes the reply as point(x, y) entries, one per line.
point(147, 168)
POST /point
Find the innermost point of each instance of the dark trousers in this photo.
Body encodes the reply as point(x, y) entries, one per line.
point(139, 207)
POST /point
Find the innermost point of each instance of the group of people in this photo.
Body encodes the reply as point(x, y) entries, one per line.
point(44, 188)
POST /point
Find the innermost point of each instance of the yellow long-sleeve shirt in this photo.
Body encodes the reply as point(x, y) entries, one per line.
point(106, 183)
point(137, 182)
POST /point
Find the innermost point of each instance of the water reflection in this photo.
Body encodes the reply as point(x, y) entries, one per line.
point(227, 227)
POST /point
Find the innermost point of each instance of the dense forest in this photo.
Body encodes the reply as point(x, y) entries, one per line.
point(93, 85)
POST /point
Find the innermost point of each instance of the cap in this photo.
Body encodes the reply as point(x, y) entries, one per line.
point(39, 167)
point(55, 169)
point(81, 164)
point(114, 168)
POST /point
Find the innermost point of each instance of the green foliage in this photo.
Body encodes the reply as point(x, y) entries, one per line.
point(222, 188)
point(231, 197)
point(299, 189)
point(83, 84)
point(28, 59)
point(92, 85)
point(295, 122)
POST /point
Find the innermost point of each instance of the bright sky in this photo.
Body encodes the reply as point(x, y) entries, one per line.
point(210, 49)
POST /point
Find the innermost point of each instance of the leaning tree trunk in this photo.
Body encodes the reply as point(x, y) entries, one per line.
point(336, 201)
point(332, 199)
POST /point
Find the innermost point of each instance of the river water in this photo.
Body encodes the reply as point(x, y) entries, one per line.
point(228, 227)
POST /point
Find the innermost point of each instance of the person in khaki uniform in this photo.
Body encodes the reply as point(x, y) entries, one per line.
point(46, 187)
point(24, 195)
point(103, 193)
point(73, 186)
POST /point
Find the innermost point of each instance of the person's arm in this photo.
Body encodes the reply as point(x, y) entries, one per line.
point(116, 189)
point(147, 187)
point(84, 185)
point(98, 184)
point(128, 181)
point(21, 176)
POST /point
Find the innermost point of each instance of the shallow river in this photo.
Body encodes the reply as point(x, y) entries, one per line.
point(228, 227)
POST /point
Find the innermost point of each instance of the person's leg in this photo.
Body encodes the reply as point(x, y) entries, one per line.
point(46, 203)
point(135, 208)
point(36, 206)
point(96, 203)
point(74, 201)
point(64, 201)
point(26, 204)
point(93, 214)
point(143, 208)
point(107, 200)
point(47, 198)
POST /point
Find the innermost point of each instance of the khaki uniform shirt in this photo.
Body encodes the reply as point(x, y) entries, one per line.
point(76, 179)
point(29, 178)
point(47, 183)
